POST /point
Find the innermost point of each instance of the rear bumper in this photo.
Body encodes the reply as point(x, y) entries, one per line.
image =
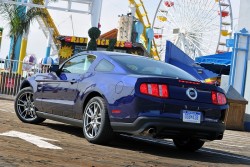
point(172, 128)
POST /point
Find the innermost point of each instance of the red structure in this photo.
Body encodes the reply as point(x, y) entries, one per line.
point(169, 3)
point(223, 13)
point(157, 36)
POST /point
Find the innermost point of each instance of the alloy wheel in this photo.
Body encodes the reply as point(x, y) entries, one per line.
point(25, 106)
point(92, 119)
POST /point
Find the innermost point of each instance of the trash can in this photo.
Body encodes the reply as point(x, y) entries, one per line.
point(236, 111)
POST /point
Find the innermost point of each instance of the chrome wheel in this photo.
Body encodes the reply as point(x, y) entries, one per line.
point(96, 124)
point(92, 119)
point(26, 107)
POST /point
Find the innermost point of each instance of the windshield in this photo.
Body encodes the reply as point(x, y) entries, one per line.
point(147, 66)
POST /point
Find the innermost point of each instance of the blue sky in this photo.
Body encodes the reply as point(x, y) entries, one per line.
point(81, 23)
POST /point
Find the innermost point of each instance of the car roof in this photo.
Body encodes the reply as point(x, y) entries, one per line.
point(108, 54)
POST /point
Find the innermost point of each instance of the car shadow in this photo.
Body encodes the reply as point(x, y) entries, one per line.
point(66, 128)
point(158, 148)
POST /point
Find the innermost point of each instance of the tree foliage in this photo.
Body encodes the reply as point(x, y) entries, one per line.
point(112, 43)
point(94, 33)
point(18, 20)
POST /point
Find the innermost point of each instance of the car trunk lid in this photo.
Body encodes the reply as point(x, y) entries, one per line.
point(181, 89)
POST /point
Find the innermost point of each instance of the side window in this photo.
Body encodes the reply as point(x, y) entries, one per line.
point(104, 66)
point(79, 64)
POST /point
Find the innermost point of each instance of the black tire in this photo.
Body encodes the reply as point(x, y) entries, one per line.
point(98, 122)
point(188, 144)
point(25, 108)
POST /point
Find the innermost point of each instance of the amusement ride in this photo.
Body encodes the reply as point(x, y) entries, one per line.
point(197, 27)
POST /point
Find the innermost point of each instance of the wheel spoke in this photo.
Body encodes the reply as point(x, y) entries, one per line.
point(21, 105)
point(19, 100)
point(89, 114)
point(96, 108)
point(88, 127)
point(27, 97)
point(25, 112)
point(95, 130)
point(92, 132)
point(98, 117)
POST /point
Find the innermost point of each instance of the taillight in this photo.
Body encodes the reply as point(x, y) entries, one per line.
point(218, 98)
point(189, 82)
point(153, 89)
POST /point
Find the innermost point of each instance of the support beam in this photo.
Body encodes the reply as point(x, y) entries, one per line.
point(48, 5)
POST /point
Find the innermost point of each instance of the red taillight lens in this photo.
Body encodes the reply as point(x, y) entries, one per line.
point(218, 98)
point(153, 89)
point(144, 88)
point(189, 82)
point(214, 97)
point(164, 90)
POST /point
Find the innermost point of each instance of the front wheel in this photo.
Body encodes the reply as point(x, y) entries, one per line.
point(25, 108)
point(96, 124)
point(188, 144)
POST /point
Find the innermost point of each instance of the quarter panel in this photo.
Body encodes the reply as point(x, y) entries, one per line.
point(116, 89)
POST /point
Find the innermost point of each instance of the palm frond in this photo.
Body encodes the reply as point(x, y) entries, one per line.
point(19, 19)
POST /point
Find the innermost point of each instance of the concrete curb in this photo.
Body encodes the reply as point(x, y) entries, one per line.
point(7, 97)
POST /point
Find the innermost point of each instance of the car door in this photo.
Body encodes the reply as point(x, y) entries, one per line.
point(59, 95)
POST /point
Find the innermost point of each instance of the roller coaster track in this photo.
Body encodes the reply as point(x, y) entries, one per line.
point(142, 15)
point(45, 24)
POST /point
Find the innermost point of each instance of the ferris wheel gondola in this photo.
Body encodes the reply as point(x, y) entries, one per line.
point(197, 27)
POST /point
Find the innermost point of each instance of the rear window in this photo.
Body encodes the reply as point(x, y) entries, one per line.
point(104, 66)
point(146, 66)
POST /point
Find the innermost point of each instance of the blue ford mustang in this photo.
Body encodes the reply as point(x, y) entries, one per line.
point(108, 92)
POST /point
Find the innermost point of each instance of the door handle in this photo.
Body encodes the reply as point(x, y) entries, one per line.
point(39, 87)
point(73, 81)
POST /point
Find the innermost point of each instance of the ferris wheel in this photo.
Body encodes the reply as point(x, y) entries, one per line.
point(197, 27)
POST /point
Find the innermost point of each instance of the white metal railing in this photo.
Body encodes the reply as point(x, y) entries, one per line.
point(10, 78)
point(70, 6)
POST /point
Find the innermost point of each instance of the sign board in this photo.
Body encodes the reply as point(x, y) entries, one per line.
point(119, 44)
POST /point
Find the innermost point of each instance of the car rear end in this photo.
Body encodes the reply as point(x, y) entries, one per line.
point(169, 102)
point(180, 108)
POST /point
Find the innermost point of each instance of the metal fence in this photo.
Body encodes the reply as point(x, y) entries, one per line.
point(12, 72)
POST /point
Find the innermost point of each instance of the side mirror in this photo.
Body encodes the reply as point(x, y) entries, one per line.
point(54, 68)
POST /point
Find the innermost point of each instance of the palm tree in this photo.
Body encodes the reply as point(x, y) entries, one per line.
point(18, 20)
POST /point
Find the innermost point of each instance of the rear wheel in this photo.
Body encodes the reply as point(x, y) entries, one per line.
point(188, 144)
point(25, 108)
point(96, 124)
